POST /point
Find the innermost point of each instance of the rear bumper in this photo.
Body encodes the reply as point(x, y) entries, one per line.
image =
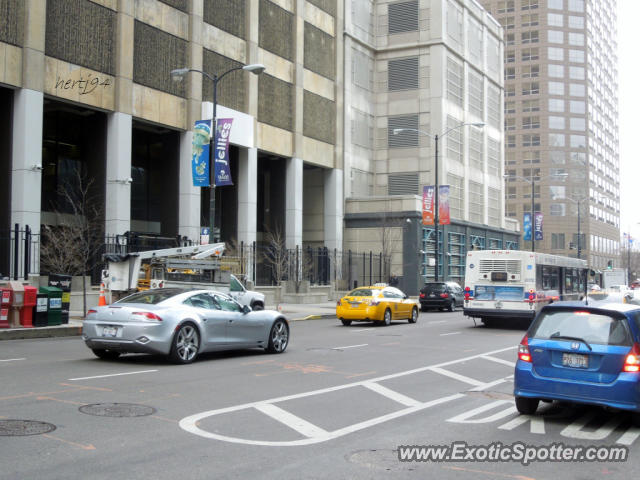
point(436, 303)
point(132, 338)
point(367, 314)
point(492, 313)
point(623, 393)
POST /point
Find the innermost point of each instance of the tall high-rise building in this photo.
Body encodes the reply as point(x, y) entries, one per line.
point(561, 122)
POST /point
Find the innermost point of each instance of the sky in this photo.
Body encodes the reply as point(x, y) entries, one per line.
point(629, 110)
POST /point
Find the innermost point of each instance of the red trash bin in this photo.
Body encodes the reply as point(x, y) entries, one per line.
point(26, 313)
point(5, 300)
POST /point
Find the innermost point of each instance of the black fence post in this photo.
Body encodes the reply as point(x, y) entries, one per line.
point(16, 251)
point(349, 274)
point(242, 257)
point(370, 267)
point(27, 251)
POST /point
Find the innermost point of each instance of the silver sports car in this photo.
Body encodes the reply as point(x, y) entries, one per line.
point(181, 324)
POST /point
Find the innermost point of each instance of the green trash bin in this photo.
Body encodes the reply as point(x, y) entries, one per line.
point(54, 296)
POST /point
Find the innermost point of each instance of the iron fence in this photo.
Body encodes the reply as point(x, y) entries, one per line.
point(19, 253)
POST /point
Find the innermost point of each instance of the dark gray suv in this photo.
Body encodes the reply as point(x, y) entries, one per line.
point(442, 295)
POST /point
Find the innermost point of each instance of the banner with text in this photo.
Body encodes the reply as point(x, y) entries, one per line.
point(526, 227)
point(444, 215)
point(200, 153)
point(222, 170)
point(537, 226)
point(428, 193)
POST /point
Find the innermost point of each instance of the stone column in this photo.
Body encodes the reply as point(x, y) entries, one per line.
point(247, 195)
point(333, 209)
point(118, 174)
point(293, 202)
point(189, 196)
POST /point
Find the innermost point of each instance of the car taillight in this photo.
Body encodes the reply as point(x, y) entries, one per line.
point(339, 302)
point(422, 295)
point(148, 315)
point(523, 350)
point(531, 296)
point(444, 295)
point(632, 362)
point(91, 311)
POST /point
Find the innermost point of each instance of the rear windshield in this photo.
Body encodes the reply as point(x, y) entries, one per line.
point(434, 287)
point(592, 327)
point(151, 297)
point(361, 292)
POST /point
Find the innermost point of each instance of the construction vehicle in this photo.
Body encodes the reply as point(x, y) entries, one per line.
point(197, 266)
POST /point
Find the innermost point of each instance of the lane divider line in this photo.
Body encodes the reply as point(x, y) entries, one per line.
point(350, 346)
point(300, 425)
point(12, 359)
point(111, 375)
point(456, 376)
point(499, 360)
point(392, 394)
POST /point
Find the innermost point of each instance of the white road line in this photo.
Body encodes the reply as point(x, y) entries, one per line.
point(350, 346)
point(437, 321)
point(464, 417)
point(392, 394)
point(630, 436)
point(499, 360)
point(290, 420)
point(361, 330)
point(484, 386)
point(452, 333)
point(456, 376)
point(12, 359)
point(111, 375)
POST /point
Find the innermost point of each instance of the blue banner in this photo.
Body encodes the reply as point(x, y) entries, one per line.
point(200, 153)
point(526, 227)
point(222, 170)
point(537, 223)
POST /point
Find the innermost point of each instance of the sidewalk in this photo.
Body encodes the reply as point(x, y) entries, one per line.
point(292, 312)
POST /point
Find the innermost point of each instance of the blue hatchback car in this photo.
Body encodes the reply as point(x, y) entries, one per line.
point(581, 353)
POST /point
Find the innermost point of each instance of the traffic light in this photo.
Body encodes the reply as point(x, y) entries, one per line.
point(609, 264)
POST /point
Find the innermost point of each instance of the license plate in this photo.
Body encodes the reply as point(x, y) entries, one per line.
point(432, 294)
point(355, 305)
point(109, 331)
point(575, 360)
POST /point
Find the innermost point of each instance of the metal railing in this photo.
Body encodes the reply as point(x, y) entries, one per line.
point(19, 253)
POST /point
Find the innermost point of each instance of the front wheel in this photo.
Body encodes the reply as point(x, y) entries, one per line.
point(387, 317)
point(527, 406)
point(278, 337)
point(186, 344)
point(105, 354)
point(414, 315)
point(346, 323)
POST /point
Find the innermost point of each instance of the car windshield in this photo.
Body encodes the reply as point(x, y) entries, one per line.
point(434, 287)
point(361, 292)
point(592, 327)
point(151, 297)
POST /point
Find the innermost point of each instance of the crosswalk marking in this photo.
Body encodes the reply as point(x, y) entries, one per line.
point(456, 376)
point(392, 394)
point(499, 360)
point(290, 420)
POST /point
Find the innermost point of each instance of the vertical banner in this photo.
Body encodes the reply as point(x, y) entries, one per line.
point(526, 227)
point(200, 153)
point(444, 215)
point(538, 226)
point(222, 170)
point(428, 193)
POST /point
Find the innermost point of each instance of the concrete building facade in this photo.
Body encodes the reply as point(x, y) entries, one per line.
point(561, 122)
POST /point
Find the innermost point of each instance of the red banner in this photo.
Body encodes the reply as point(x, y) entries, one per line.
point(428, 193)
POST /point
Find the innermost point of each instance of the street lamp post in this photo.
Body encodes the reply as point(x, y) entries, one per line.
point(532, 182)
point(436, 216)
point(178, 75)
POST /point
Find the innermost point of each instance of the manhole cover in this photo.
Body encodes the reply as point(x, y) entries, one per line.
point(117, 410)
point(17, 428)
point(490, 394)
point(383, 459)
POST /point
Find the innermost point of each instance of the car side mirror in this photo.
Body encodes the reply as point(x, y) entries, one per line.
point(246, 309)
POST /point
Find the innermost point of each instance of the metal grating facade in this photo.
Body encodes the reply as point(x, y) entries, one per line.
point(404, 139)
point(275, 102)
point(12, 22)
point(362, 70)
point(319, 52)
point(319, 120)
point(403, 17)
point(155, 54)
point(328, 6)
point(82, 33)
point(182, 5)
point(403, 184)
point(403, 74)
point(227, 15)
point(276, 30)
point(231, 90)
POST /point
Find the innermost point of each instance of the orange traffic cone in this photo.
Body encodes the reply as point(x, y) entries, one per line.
point(102, 301)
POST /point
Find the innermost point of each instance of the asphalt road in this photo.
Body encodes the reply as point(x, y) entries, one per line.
point(337, 404)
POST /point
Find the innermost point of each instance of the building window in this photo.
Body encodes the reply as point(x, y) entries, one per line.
point(475, 94)
point(509, 107)
point(557, 209)
point(555, 20)
point(576, 73)
point(576, 39)
point(530, 122)
point(476, 202)
point(407, 138)
point(493, 207)
point(510, 73)
point(403, 17)
point(576, 106)
point(529, 54)
point(530, 71)
point(555, 53)
point(556, 123)
point(557, 241)
point(555, 4)
point(576, 22)
point(528, 4)
point(454, 82)
point(508, 23)
point(531, 157)
point(556, 105)
point(576, 56)
point(509, 123)
point(454, 140)
point(530, 20)
point(510, 56)
point(511, 141)
point(456, 195)
point(530, 140)
point(576, 90)
point(531, 105)
point(532, 88)
point(493, 156)
point(555, 36)
point(556, 71)
point(506, 6)
point(576, 6)
point(403, 74)
point(556, 140)
point(510, 39)
point(454, 23)
point(493, 106)
point(476, 148)
point(529, 37)
point(556, 88)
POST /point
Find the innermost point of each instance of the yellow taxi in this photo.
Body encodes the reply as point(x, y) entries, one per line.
point(379, 303)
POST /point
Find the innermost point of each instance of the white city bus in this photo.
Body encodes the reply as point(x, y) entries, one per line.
point(515, 284)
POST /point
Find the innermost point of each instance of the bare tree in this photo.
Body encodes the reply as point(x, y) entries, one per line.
point(276, 255)
point(74, 246)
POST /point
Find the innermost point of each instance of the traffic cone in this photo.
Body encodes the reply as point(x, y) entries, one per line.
point(102, 301)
